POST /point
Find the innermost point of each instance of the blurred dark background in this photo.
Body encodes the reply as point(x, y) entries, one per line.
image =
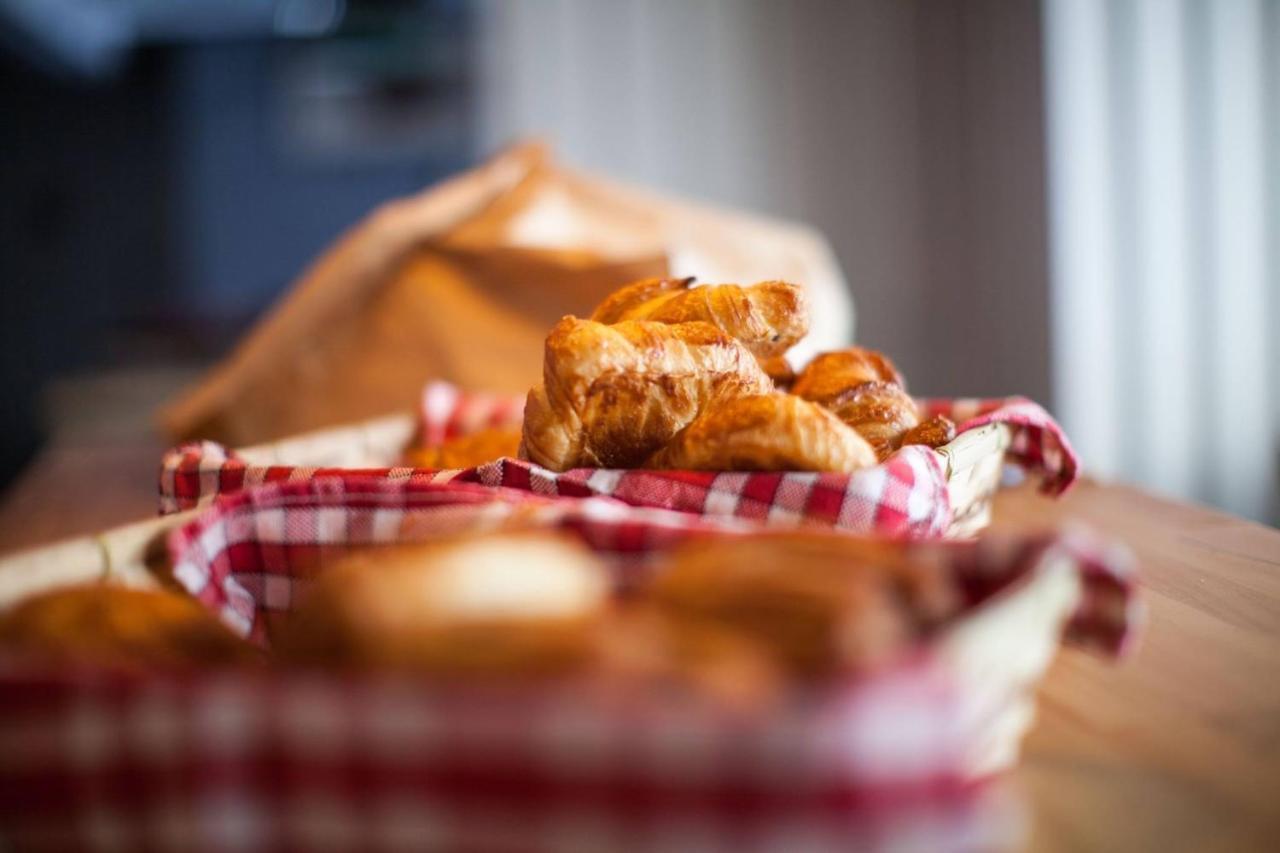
point(168, 167)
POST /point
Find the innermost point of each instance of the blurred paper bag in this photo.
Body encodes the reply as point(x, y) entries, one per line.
point(462, 282)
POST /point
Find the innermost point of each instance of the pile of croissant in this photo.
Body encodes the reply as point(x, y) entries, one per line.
point(669, 375)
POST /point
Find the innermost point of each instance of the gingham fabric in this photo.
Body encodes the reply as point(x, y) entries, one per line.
point(906, 496)
point(302, 761)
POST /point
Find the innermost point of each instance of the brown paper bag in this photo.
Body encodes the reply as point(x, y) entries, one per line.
point(462, 281)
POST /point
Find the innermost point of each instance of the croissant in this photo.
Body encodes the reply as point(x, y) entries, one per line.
point(932, 432)
point(880, 411)
point(865, 390)
point(780, 371)
point(612, 395)
point(625, 302)
point(819, 602)
point(831, 374)
point(516, 603)
point(121, 627)
point(767, 317)
point(770, 432)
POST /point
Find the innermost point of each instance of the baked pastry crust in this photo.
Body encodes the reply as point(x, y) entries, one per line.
point(467, 451)
point(819, 602)
point(625, 302)
point(768, 432)
point(768, 317)
point(512, 604)
point(122, 627)
point(865, 390)
point(881, 412)
point(933, 432)
point(830, 374)
point(614, 394)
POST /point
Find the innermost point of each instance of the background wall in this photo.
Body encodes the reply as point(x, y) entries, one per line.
point(909, 132)
point(1139, 298)
point(1164, 120)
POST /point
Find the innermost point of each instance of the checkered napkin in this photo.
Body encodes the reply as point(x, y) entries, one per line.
point(906, 496)
point(304, 760)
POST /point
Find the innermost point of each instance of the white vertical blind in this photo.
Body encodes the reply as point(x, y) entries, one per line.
point(1164, 279)
point(1165, 332)
point(1084, 300)
point(1240, 408)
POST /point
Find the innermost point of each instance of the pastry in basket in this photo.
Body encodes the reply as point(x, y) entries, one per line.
point(766, 432)
point(768, 318)
point(820, 603)
point(120, 627)
point(614, 394)
point(866, 391)
point(511, 604)
point(466, 451)
point(830, 374)
point(780, 371)
point(934, 431)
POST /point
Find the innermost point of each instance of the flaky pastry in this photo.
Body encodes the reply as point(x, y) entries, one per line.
point(831, 374)
point(768, 318)
point(819, 602)
point(512, 604)
point(934, 432)
point(123, 627)
point(766, 432)
point(466, 451)
point(614, 394)
point(865, 390)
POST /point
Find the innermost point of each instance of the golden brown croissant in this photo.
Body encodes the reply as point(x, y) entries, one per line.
point(119, 626)
point(625, 302)
point(865, 390)
point(780, 371)
point(819, 602)
point(880, 411)
point(612, 395)
point(518, 603)
point(768, 432)
point(831, 374)
point(932, 432)
point(767, 317)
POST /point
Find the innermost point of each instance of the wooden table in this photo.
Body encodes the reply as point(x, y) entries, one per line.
point(1177, 749)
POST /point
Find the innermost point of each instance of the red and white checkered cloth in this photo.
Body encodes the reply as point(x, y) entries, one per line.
point(906, 496)
point(303, 760)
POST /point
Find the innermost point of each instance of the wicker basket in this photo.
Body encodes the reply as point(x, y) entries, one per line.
point(131, 553)
point(974, 460)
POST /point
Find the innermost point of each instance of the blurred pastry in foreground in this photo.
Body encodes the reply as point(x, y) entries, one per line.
point(466, 451)
point(768, 318)
point(767, 432)
point(821, 603)
point(121, 627)
point(648, 649)
point(512, 604)
point(613, 395)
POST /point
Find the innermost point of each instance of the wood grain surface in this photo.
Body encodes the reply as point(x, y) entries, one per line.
point(1176, 749)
